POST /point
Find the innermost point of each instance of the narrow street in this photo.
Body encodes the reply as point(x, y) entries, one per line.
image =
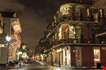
point(52, 34)
point(38, 66)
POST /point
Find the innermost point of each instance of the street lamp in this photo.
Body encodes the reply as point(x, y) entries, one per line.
point(8, 38)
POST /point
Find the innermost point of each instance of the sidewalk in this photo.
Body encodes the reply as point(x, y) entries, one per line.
point(68, 66)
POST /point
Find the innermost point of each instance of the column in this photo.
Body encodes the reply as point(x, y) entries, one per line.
point(103, 55)
point(72, 56)
point(87, 56)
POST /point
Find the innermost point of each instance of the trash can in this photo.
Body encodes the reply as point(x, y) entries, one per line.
point(99, 65)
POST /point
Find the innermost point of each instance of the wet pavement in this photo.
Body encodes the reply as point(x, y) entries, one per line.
point(37, 66)
point(49, 68)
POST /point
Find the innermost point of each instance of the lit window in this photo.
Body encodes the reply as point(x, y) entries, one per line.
point(1, 30)
point(72, 32)
point(16, 26)
point(1, 26)
point(96, 54)
point(66, 31)
point(63, 31)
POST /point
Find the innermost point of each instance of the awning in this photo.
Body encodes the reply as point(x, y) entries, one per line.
point(79, 45)
point(101, 34)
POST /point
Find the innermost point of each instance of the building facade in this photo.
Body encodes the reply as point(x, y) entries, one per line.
point(75, 37)
point(10, 32)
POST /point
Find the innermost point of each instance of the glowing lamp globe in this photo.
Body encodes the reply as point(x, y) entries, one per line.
point(8, 38)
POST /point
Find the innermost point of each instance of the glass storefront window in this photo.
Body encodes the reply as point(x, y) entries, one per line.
point(96, 54)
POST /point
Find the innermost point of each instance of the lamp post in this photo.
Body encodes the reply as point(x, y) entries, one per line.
point(8, 39)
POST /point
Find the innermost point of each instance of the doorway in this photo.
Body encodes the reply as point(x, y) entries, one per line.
point(78, 55)
point(96, 56)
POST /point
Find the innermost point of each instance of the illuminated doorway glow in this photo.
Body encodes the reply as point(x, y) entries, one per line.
point(96, 55)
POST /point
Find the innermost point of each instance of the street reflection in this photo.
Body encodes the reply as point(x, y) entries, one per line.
point(57, 69)
point(54, 68)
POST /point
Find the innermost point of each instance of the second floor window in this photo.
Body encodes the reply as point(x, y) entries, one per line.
point(66, 31)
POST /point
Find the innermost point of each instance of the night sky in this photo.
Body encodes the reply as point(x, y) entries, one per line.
point(38, 12)
point(34, 16)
